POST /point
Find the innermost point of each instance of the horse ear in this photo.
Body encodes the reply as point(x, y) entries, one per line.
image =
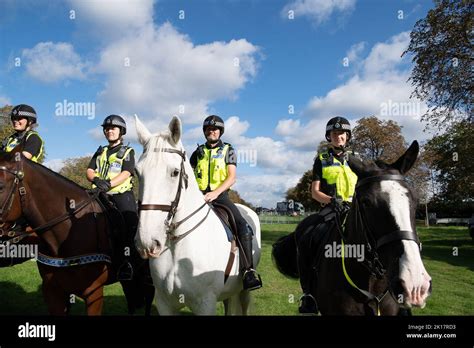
point(175, 129)
point(357, 166)
point(142, 132)
point(407, 160)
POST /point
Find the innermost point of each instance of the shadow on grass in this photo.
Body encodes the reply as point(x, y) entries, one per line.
point(14, 300)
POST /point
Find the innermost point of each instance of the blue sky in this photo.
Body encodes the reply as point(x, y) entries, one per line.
point(244, 60)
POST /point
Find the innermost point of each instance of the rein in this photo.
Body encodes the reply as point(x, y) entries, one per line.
point(171, 227)
point(374, 265)
point(16, 236)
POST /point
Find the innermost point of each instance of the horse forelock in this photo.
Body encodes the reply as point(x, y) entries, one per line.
point(152, 152)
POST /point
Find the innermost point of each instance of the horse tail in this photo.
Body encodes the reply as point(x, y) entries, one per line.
point(284, 256)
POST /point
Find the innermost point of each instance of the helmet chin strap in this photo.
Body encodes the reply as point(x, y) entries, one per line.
point(213, 141)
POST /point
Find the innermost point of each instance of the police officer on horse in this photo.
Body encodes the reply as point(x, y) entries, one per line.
point(333, 186)
point(110, 170)
point(214, 166)
point(24, 121)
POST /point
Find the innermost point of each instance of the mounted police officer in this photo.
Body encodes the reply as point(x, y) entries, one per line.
point(110, 170)
point(333, 186)
point(24, 121)
point(214, 166)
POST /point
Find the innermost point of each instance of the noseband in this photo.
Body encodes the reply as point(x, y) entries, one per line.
point(171, 208)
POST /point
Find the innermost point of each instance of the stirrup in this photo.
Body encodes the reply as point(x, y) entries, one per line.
point(253, 283)
point(125, 271)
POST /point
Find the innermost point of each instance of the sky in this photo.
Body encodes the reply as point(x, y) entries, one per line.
point(275, 71)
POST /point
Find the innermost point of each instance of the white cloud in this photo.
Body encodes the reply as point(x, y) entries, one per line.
point(5, 100)
point(112, 18)
point(168, 74)
point(51, 62)
point(318, 10)
point(265, 190)
point(55, 164)
point(355, 50)
point(380, 82)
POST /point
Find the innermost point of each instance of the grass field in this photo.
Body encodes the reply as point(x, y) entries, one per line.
point(448, 254)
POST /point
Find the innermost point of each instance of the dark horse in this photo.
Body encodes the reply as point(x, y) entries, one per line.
point(74, 236)
point(386, 276)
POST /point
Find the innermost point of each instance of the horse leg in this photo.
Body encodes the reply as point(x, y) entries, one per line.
point(206, 306)
point(149, 295)
point(95, 301)
point(56, 299)
point(238, 304)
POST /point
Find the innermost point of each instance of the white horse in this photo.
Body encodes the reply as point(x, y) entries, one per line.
point(183, 237)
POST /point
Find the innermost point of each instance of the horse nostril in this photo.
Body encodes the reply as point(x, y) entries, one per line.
point(431, 287)
point(158, 244)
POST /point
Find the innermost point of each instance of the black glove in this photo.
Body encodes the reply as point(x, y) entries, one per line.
point(103, 185)
point(337, 204)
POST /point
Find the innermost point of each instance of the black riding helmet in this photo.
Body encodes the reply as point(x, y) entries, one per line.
point(214, 121)
point(338, 123)
point(117, 121)
point(24, 110)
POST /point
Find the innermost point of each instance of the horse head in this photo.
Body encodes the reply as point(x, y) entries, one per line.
point(11, 183)
point(383, 214)
point(163, 170)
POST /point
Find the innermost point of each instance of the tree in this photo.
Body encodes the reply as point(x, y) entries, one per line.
point(75, 170)
point(442, 48)
point(450, 155)
point(5, 126)
point(235, 197)
point(302, 192)
point(377, 139)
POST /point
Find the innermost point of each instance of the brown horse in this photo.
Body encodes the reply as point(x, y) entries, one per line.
point(385, 274)
point(74, 236)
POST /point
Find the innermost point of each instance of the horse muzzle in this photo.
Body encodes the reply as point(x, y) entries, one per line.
point(409, 296)
point(151, 251)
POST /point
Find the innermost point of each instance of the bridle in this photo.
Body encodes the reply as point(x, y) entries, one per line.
point(171, 208)
point(16, 236)
point(372, 244)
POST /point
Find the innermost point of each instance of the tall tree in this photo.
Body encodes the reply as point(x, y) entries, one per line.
point(442, 49)
point(451, 157)
point(302, 192)
point(377, 139)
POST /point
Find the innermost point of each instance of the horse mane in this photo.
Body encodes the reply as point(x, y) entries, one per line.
point(40, 167)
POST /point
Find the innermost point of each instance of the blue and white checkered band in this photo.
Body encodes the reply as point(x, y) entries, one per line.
point(26, 113)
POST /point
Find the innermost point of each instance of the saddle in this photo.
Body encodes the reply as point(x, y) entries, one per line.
point(227, 219)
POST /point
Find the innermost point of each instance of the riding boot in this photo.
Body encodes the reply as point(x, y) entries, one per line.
point(251, 278)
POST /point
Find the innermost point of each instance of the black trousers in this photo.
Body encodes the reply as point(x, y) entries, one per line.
point(127, 206)
point(241, 223)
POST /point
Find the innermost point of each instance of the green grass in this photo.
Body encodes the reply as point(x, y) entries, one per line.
point(453, 279)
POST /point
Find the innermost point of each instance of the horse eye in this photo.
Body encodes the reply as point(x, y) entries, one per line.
point(175, 172)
